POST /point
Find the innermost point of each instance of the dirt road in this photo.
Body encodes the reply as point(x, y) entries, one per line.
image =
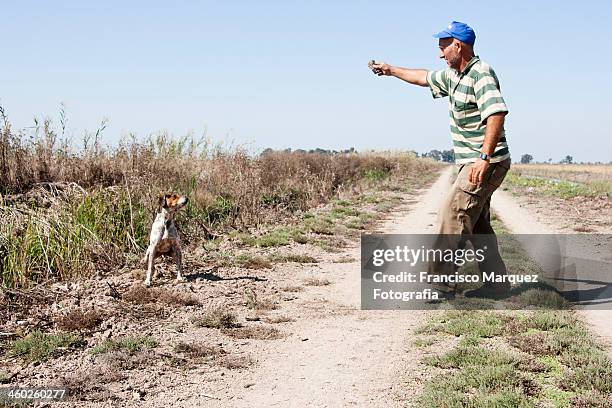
point(336, 354)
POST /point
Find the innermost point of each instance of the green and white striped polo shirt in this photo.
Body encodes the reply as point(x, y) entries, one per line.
point(474, 95)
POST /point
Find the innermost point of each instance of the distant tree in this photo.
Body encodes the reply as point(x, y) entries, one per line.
point(267, 151)
point(448, 156)
point(568, 160)
point(434, 154)
point(549, 160)
point(526, 158)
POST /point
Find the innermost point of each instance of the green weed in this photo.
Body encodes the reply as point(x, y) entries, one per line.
point(38, 346)
point(130, 345)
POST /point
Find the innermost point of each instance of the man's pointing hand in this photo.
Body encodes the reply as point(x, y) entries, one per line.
point(380, 68)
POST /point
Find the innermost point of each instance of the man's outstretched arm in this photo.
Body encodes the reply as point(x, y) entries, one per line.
point(412, 76)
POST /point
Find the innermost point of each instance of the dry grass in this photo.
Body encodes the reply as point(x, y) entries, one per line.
point(198, 350)
point(140, 295)
point(236, 362)
point(292, 288)
point(252, 262)
point(79, 320)
point(254, 332)
point(575, 172)
point(216, 318)
point(252, 302)
point(316, 282)
point(278, 319)
point(297, 258)
point(92, 208)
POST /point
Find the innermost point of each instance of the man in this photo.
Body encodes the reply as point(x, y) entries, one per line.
point(477, 114)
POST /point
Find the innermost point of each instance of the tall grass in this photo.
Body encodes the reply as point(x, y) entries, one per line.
point(69, 213)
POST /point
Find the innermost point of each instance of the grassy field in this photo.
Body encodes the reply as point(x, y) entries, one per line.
point(70, 214)
point(571, 172)
point(562, 180)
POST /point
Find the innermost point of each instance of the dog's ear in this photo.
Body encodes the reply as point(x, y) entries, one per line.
point(162, 202)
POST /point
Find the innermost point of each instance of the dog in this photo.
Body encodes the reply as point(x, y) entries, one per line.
point(164, 238)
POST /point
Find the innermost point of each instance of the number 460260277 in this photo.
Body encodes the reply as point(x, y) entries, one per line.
point(35, 393)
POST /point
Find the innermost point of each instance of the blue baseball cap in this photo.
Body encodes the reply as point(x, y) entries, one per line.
point(460, 31)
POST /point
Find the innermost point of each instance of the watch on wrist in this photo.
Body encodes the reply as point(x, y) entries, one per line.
point(485, 156)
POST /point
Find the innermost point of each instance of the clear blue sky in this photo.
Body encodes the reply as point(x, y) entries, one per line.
point(293, 74)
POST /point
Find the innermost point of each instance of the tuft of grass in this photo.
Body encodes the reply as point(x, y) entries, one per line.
point(254, 332)
point(252, 261)
point(591, 399)
point(198, 350)
point(138, 294)
point(236, 362)
point(38, 346)
point(320, 225)
point(469, 340)
point(545, 299)
point(342, 211)
point(278, 319)
point(298, 258)
point(375, 175)
point(129, 345)
point(594, 374)
point(292, 288)
point(473, 323)
point(251, 301)
point(550, 320)
point(216, 318)
point(344, 259)
point(465, 356)
point(316, 282)
point(421, 342)
point(280, 237)
point(4, 378)
point(78, 320)
point(476, 386)
point(356, 223)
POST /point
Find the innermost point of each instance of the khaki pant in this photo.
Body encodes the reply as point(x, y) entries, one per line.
point(465, 215)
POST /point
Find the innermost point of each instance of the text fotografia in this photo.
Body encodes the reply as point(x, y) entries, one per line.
point(411, 256)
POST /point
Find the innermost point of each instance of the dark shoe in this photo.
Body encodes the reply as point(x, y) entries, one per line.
point(490, 291)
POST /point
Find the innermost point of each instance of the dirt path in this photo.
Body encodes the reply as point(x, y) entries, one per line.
point(336, 354)
point(520, 220)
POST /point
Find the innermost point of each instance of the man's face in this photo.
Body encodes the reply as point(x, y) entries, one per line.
point(449, 51)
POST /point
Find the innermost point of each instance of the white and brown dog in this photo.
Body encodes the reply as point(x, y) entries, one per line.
point(164, 236)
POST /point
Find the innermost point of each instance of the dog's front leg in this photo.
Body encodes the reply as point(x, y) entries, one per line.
point(150, 266)
point(178, 259)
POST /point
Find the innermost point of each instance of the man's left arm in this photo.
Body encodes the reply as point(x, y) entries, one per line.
point(495, 125)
